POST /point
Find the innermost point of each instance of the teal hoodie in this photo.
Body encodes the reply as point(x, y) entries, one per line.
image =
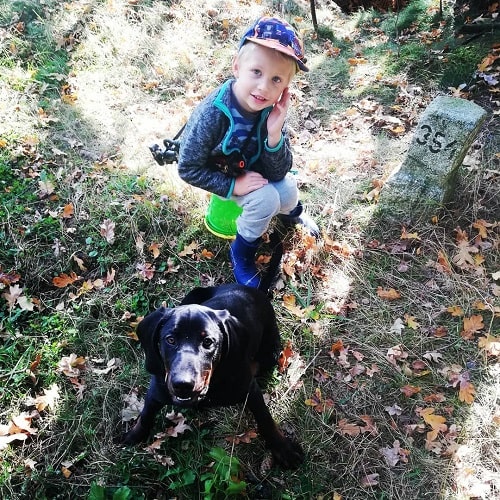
point(208, 134)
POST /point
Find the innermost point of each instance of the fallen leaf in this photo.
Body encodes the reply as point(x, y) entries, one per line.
point(71, 365)
point(395, 454)
point(397, 327)
point(284, 358)
point(410, 322)
point(437, 422)
point(245, 437)
point(395, 354)
point(154, 248)
point(471, 326)
point(64, 279)
point(490, 344)
point(318, 402)
point(108, 231)
point(206, 254)
point(68, 211)
point(348, 429)
point(439, 397)
point(390, 294)
point(189, 250)
point(410, 390)
point(146, 270)
point(455, 310)
point(369, 480)
point(393, 410)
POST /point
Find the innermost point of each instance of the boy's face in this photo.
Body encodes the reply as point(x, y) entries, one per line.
point(261, 76)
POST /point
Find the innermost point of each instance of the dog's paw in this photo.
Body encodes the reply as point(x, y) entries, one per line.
point(136, 435)
point(287, 453)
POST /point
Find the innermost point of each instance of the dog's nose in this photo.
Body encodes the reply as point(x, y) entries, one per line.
point(183, 387)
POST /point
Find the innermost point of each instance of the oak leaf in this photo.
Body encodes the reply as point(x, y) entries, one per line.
point(393, 410)
point(68, 211)
point(482, 227)
point(318, 402)
point(405, 235)
point(455, 310)
point(443, 264)
point(471, 326)
point(372, 370)
point(395, 454)
point(15, 291)
point(411, 322)
point(396, 353)
point(64, 279)
point(490, 344)
point(464, 258)
point(207, 254)
point(154, 248)
point(348, 429)
point(388, 294)
point(9, 278)
point(48, 399)
point(397, 327)
point(284, 359)
point(410, 390)
point(438, 397)
point(189, 250)
point(108, 230)
point(437, 422)
point(146, 270)
point(336, 348)
point(245, 437)
point(369, 480)
point(71, 365)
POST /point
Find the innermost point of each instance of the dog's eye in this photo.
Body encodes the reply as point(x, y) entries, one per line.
point(170, 340)
point(206, 343)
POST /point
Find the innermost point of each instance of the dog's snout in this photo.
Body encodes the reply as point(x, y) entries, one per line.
point(183, 387)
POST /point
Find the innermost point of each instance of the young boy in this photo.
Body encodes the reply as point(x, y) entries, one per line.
point(241, 123)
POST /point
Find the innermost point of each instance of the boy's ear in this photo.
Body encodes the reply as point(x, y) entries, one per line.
point(236, 66)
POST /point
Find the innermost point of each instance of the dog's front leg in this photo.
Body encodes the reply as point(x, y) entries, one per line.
point(155, 400)
point(286, 453)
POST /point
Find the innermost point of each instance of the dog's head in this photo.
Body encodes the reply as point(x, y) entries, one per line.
point(184, 345)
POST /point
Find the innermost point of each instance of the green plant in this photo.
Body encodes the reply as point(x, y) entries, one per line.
point(223, 479)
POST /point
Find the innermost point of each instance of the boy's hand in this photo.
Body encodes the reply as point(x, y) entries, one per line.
point(276, 119)
point(248, 182)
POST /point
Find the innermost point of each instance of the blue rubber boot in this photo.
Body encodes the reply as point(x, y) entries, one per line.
point(242, 254)
point(298, 216)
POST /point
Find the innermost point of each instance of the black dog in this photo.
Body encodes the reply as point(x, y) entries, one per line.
point(207, 352)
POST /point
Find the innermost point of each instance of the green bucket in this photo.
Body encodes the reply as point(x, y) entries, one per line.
point(221, 216)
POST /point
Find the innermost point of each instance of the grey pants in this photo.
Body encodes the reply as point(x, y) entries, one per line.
point(261, 205)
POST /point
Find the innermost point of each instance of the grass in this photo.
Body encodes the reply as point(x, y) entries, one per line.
point(86, 87)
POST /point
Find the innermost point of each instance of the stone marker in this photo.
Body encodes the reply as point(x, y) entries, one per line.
point(426, 180)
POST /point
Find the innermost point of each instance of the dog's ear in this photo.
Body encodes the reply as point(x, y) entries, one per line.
point(228, 325)
point(148, 331)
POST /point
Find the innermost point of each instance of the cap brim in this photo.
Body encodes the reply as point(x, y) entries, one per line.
point(274, 44)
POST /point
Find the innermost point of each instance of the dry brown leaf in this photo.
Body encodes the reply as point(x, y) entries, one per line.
point(388, 294)
point(471, 326)
point(107, 230)
point(490, 344)
point(410, 390)
point(64, 279)
point(369, 480)
point(68, 211)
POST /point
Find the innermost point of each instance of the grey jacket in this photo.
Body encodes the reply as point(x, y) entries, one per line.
point(208, 133)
